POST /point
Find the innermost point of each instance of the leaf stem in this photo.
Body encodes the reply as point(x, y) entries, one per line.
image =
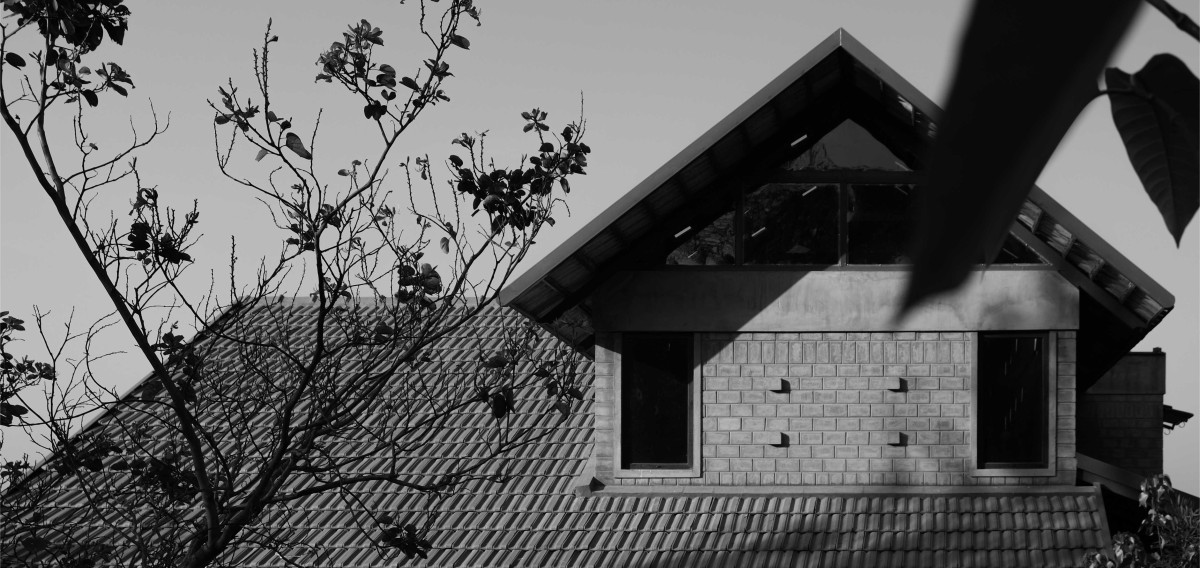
point(1181, 20)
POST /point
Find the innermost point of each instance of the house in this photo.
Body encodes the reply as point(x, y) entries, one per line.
point(753, 401)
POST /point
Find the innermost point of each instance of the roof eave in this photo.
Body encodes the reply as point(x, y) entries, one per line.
point(575, 242)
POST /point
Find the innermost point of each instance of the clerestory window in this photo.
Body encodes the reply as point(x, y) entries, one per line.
point(814, 224)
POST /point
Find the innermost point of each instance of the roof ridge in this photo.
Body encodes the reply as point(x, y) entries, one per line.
point(308, 300)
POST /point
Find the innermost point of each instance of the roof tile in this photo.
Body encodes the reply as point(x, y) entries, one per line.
point(536, 519)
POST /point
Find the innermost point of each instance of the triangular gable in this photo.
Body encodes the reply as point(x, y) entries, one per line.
point(848, 146)
point(838, 80)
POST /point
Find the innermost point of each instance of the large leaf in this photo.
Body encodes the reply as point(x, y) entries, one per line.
point(1025, 70)
point(1159, 121)
point(294, 144)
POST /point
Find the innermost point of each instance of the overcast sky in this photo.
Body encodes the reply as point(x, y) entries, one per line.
point(653, 76)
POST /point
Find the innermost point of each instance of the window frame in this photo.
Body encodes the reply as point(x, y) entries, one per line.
point(694, 410)
point(1050, 362)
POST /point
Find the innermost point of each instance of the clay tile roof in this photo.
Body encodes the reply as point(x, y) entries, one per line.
point(537, 518)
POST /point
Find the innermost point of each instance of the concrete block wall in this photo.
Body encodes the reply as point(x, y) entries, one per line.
point(1066, 411)
point(1132, 428)
point(838, 398)
point(1121, 415)
point(849, 408)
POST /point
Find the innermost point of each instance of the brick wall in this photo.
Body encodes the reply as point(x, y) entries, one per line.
point(837, 409)
point(1067, 411)
point(1132, 431)
point(1120, 416)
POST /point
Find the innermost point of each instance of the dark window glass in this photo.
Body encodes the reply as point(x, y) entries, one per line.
point(712, 245)
point(879, 220)
point(656, 405)
point(791, 224)
point(1013, 401)
point(848, 146)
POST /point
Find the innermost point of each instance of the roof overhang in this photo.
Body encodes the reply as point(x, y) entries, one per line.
point(838, 79)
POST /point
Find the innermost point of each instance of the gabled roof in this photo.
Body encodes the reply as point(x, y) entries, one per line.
point(838, 79)
point(539, 518)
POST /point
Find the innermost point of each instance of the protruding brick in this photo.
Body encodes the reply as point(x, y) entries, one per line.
point(776, 451)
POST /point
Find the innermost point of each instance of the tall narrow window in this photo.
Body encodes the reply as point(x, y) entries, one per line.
point(656, 401)
point(1013, 401)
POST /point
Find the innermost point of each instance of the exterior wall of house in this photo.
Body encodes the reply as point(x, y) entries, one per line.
point(1126, 406)
point(781, 301)
point(839, 408)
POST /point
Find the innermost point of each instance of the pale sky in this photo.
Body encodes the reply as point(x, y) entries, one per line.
point(653, 75)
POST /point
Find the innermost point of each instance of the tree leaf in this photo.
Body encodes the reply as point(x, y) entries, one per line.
point(460, 41)
point(1160, 126)
point(499, 406)
point(1025, 70)
point(90, 97)
point(293, 143)
point(262, 153)
point(14, 60)
point(445, 243)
